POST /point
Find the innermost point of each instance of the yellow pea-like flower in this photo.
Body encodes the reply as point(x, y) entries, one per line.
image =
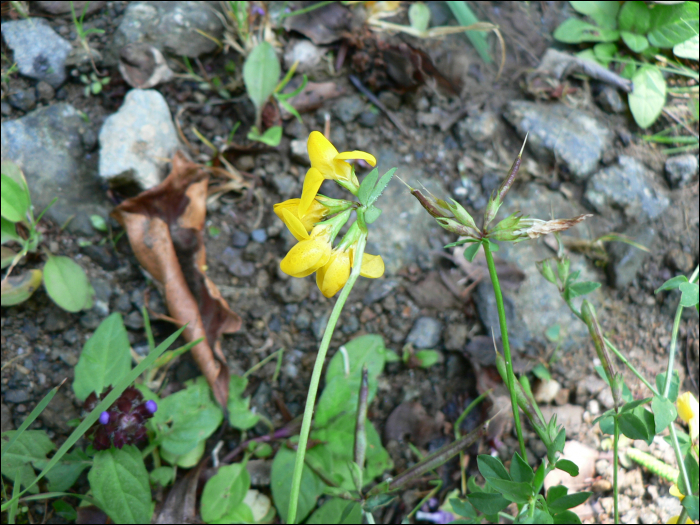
point(332, 276)
point(674, 491)
point(674, 520)
point(311, 252)
point(314, 214)
point(688, 411)
point(328, 164)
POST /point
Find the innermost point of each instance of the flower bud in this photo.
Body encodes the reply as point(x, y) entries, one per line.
point(453, 226)
point(462, 215)
point(545, 268)
point(432, 205)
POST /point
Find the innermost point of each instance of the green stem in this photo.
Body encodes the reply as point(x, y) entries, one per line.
point(616, 440)
point(506, 345)
point(316, 378)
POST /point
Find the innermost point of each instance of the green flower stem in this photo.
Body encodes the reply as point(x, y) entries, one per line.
point(616, 443)
point(316, 378)
point(506, 345)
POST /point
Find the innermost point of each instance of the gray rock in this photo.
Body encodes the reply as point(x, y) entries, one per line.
point(369, 119)
point(351, 326)
point(39, 51)
point(6, 416)
point(286, 185)
point(319, 325)
point(303, 320)
point(391, 100)
point(573, 137)
point(610, 100)
point(57, 320)
point(292, 290)
point(90, 319)
point(24, 100)
point(402, 233)
point(59, 412)
point(232, 258)
point(5, 108)
point(299, 152)
point(379, 290)
point(71, 337)
point(304, 51)
point(169, 26)
point(134, 321)
point(425, 333)
point(123, 303)
point(479, 127)
point(681, 169)
point(347, 109)
point(239, 239)
point(15, 395)
point(45, 91)
point(534, 305)
point(103, 255)
point(62, 169)
point(455, 336)
point(259, 235)
point(628, 186)
point(135, 139)
point(626, 260)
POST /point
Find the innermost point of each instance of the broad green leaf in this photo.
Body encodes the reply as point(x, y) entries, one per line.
point(607, 425)
point(281, 485)
point(604, 52)
point(540, 516)
point(672, 283)
point(691, 505)
point(471, 251)
point(188, 459)
point(689, 293)
point(568, 501)
point(18, 288)
point(675, 381)
point(372, 214)
point(567, 466)
point(240, 416)
point(462, 508)
point(15, 200)
point(488, 503)
point(627, 407)
point(492, 468)
point(635, 42)
point(119, 483)
point(566, 518)
point(66, 283)
point(9, 231)
point(688, 49)
point(519, 469)
point(162, 476)
point(17, 460)
point(224, 491)
point(673, 24)
point(575, 31)
point(634, 17)
point(64, 510)
point(105, 359)
point(427, 358)
point(381, 185)
point(187, 417)
point(582, 288)
point(637, 424)
point(261, 72)
point(62, 476)
point(512, 490)
point(556, 492)
point(367, 186)
point(14, 172)
point(419, 16)
point(271, 137)
point(241, 513)
point(332, 510)
point(691, 467)
point(648, 96)
point(540, 372)
point(664, 413)
point(604, 13)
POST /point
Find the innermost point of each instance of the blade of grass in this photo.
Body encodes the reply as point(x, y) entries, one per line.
point(465, 17)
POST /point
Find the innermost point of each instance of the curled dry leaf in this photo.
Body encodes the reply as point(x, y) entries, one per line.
point(540, 227)
point(143, 66)
point(312, 97)
point(164, 225)
point(181, 504)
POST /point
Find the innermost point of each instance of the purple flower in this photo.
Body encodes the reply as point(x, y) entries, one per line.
point(104, 418)
point(151, 406)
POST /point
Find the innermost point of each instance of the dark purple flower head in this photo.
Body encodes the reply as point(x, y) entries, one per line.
point(123, 423)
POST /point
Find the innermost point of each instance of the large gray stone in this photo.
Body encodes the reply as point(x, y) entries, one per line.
point(171, 27)
point(425, 333)
point(39, 51)
point(48, 145)
point(628, 187)
point(135, 140)
point(573, 137)
point(681, 169)
point(625, 259)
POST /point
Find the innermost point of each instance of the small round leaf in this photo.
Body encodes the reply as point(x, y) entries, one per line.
point(67, 284)
point(649, 95)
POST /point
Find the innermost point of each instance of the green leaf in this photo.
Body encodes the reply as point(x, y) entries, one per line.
point(64, 510)
point(286, 105)
point(512, 490)
point(462, 508)
point(673, 24)
point(261, 72)
point(568, 502)
point(690, 294)
point(66, 472)
point(603, 13)
point(688, 49)
point(427, 358)
point(466, 17)
point(520, 470)
point(635, 18)
point(271, 137)
point(367, 186)
point(582, 288)
point(286, 96)
point(553, 333)
point(635, 42)
point(66, 283)
point(540, 372)
point(488, 503)
point(281, 485)
point(105, 359)
point(675, 381)
point(162, 476)
point(372, 214)
point(691, 505)
point(568, 466)
point(224, 492)
point(241, 513)
point(691, 467)
point(98, 223)
point(187, 417)
point(9, 231)
point(14, 199)
point(637, 424)
point(539, 516)
point(566, 518)
point(604, 52)
point(17, 460)
point(672, 283)
point(240, 416)
point(186, 460)
point(492, 468)
point(332, 510)
point(18, 288)
point(575, 31)
point(607, 425)
point(419, 16)
point(648, 96)
point(471, 251)
point(664, 413)
point(556, 492)
point(381, 185)
point(119, 483)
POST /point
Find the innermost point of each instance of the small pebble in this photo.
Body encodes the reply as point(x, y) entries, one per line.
point(24, 100)
point(44, 91)
point(239, 239)
point(259, 235)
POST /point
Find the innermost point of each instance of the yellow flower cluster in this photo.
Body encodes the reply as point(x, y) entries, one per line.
point(314, 252)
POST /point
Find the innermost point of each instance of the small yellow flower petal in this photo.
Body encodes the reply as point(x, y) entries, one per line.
point(674, 520)
point(295, 225)
point(314, 214)
point(347, 155)
point(306, 257)
point(334, 274)
point(312, 182)
point(687, 406)
point(372, 266)
point(675, 492)
point(321, 153)
point(694, 428)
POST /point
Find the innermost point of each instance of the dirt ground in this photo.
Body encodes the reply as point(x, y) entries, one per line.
point(41, 344)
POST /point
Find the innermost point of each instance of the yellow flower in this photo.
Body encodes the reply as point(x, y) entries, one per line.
point(674, 519)
point(314, 214)
point(327, 163)
point(688, 411)
point(332, 276)
point(675, 492)
point(311, 252)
